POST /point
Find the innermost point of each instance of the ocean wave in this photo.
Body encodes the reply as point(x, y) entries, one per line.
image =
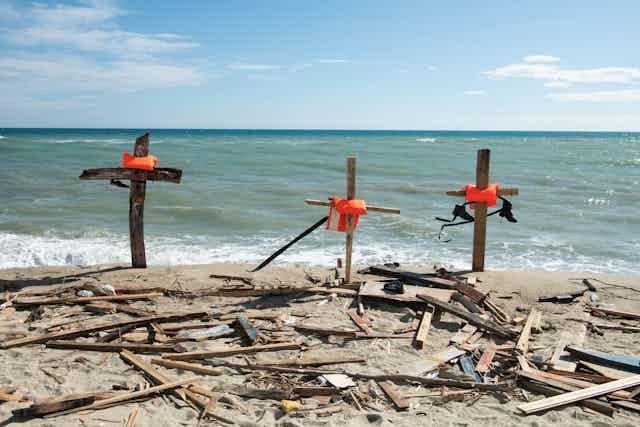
point(109, 141)
point(426, 139)
point(2, 137)
point(21, 250)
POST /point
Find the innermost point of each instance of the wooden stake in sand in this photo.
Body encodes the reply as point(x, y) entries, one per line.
point(138, 178)
point(480, 223)
point(351, 194)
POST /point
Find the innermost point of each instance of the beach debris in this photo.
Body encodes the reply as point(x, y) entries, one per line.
point(423, 328)
point(624, 363)
point(206, 333)
point(338, 380)
point(138, 185)
point(247, 328)
point(290, 405)
point(394, 395)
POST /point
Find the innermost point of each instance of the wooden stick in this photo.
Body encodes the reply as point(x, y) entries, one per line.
point(359, 321)
point(100, 404)
point(381, 209)
point(137, 192)
point(85, 300)
point(232, 351)
point(115, 348)
point(578, 395)
point(485, 360)
point(523, 342)
point(480, 223)
point(133, 416)
point(423, 328)
point(351, 194)
point(101, 327)
point(400, 403)
point(470, 317)
point(312, 361)
point(199, 369)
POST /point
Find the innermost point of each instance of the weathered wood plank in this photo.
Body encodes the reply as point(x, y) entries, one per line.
point(625, 363)
point(84, 300)
point(501, 192)
point(115, 348)
point(370, 208)
point(158, 174)
point(523, 342)
point(480, 223)
point(390, 390)
point(231, 351)
point(423, 329)
point(185, 366)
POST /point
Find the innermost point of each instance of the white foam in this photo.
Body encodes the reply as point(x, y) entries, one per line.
point(2, 137)
point(426, 139)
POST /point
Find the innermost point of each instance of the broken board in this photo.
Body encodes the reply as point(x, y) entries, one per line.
point(376, 290)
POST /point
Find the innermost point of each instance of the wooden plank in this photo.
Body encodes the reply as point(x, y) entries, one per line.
point(72, 333)
point(624, 363)
point(310, 391)
point(185, 366)
point(137, 193)
point(370, 208)
point(441, 357)
point(57, 404)
point(466, 363)
point(133, 417)
point(475, 295)
point(351, 194)
point(578, 395)
point(616, 374)
point(390, 390)
point(464, 334)
point(249, 331)
point(157, 174)
point(501, 192)
point(536, 326)
point(118, 333)
point(322, 331)
point(480, 223)
point(615, 313)
point(115, 348)
point(359, 321)
point(544, 376)
point(485, 360)
point(593, 404)
point(100, 404)
point(470, 317)
point(423, 328)
point(417, 279)
point(555, 362)
point(84, 300)
point(312, 361)
point(523, 342)
point(232, 351)
point(376, 290)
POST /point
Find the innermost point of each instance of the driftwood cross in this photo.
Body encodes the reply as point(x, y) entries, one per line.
point(480, 223)
point(351, 194)
point(137, 190)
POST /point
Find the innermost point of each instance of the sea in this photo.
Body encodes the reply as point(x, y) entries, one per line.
point(242, 197)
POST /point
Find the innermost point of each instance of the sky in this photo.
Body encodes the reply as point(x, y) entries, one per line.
point(463, 65)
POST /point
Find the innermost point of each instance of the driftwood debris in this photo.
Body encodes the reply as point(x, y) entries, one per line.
point(116, 348)
point(231, 351)
point(392, 392)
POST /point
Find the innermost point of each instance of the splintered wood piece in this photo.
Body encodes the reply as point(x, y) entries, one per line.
point(441, 357)
point(118, 333)
point(523, 342)
point(423, 328)
point(312, 361)
point(615, 313)
point(198, 369)
point(351, 194)
point(390, 390)
point(100, 404)
point(470, 317)
point(101, 327)
point(83, 300)
point(231, 351)
point(359, 321)
point(317, 330)
point(555, 361)
point(475, 295)
point(536, 326)
point(578, 395)
point(249, 331)
point(115, 348)
point(133, 417)
point(314, 391)
point(464, 334)
point(376, 290)
point(417, 279)
point(485, 360)
point(593, 404)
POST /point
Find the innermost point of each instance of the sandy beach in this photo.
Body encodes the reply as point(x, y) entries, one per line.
point(279, 307)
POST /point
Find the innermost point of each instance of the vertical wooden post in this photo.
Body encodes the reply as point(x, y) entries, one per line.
point(136, 206)
point(351, 194)
point(480, 223)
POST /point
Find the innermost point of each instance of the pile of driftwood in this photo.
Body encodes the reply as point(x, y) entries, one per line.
point(491, 354)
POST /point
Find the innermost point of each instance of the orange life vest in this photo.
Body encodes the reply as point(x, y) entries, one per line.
point(339, 210)
point(489, 195)
point(132, 162)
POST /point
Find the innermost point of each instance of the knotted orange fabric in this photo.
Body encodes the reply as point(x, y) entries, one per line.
point(489, 195)
point(339, 210)
point(146, 163)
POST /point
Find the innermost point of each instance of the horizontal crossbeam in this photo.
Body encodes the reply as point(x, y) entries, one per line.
point(369, 208)
point(158, 174)
point(501, 192)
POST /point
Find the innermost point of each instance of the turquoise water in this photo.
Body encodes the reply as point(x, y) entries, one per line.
point(242, 197)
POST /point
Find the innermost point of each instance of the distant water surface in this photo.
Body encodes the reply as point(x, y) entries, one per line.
point(242, 197)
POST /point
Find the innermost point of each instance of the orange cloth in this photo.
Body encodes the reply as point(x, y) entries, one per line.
point(489, 195)
point(339, 210)
point(146, 163)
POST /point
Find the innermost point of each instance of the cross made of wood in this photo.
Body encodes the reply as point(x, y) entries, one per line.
point(137, 190)
point(351, 194)
point(480, 223)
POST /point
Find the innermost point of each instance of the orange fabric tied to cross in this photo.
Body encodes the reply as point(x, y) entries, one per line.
point(340, 208)
point(147, 163)
point(489, 195)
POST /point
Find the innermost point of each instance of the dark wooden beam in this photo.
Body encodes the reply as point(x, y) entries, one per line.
point(158, 174)
point(137, 193)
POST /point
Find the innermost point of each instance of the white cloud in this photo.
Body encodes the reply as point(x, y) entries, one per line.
point(333, 61)
point(90, 27)
point(557, 84)
point(474, 92)
point(431, 67)
point(599, 96)
point(541, 58)
point(253, 67)
point(564, 77)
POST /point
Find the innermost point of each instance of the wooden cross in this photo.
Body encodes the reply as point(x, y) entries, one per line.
point(480, 223)
point(138, 178)
point(351, 194)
